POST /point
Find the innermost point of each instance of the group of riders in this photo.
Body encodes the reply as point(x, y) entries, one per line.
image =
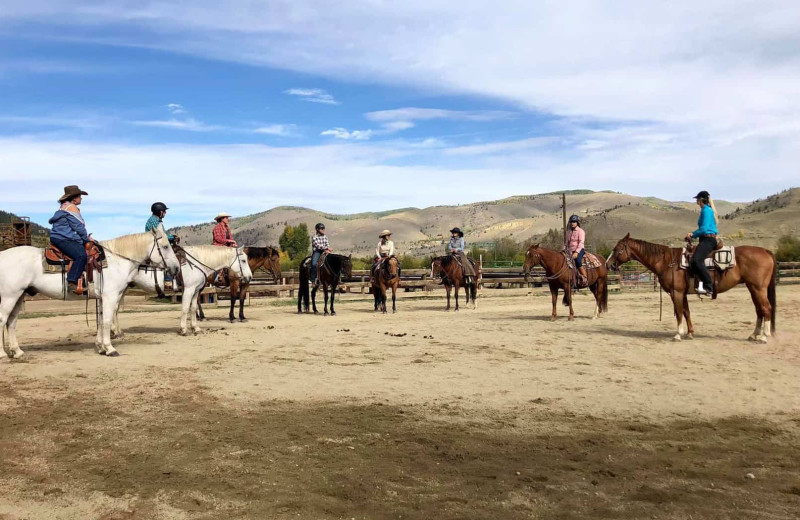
point(69, 234)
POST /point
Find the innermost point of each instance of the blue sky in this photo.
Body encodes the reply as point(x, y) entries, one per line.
point(374, 105)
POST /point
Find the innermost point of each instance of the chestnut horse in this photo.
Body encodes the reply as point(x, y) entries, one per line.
point(754, 266)
point(387, 275)
point(268, 258)
point(331, 271)
point(449, 270)
point(559, 276)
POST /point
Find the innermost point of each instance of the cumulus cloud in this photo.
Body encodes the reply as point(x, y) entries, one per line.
point(343, 133)
point(278, 130)
point(175, 108)
point(312, 95)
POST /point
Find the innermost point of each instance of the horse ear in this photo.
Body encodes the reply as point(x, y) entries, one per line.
point(350, 256)
point(627, 236)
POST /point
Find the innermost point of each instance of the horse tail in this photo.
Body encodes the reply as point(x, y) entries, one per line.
point(302, 294)
point(773, 302)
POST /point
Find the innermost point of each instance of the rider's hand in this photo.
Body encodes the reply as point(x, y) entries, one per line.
point(689, 236)
point(575, 255)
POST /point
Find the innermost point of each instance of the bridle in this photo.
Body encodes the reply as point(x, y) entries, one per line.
point(194, 262)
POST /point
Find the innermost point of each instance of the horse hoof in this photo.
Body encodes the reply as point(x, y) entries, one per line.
point(676, 337)
point(552, 318)
point(242, 320)
point(752, 338)
point(762, 340)
point(690, 336)
point(233, 320)
point(113, 354)
point(183, 333)
point(333, 314)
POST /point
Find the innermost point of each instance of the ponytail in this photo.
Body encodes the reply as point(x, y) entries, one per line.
point(711, 203)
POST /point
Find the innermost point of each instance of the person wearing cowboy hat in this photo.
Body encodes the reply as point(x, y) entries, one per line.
point(69, 233)
point(159, 211)
point(222, 231)
point(576, 239)
point(706, 232)
point(456, 248)
point(384, 250)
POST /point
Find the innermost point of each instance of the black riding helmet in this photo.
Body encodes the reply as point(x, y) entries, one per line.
point(319, 226)
point(158, 207)
point(575, 218)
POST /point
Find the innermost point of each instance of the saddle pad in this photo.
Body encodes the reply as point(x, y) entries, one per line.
point(591, 261)
point(723, 259)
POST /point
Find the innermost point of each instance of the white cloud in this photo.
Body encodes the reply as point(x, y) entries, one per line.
point(343, 133)
point(312, 95)
point(191, 125)
point(276, 129)
point(175, 108)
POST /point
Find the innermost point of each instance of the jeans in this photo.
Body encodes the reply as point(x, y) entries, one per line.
point(579, 260)
point(314, 261)
point(76, 251)
point(701, 252)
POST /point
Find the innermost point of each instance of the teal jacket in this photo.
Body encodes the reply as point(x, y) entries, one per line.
point(153, 223)
point(706, 224)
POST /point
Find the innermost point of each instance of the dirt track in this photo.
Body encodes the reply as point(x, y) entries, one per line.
point(497, 413)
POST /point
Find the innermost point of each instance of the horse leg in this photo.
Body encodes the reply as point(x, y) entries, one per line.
point(234, 296)
point(571, 310)
point(456, 288)
point(763, 316)
point(188, 303)
point(333, 297)
point(200, 315)
point(325, 292)
point(447, 288)
point(242, 296)
point(394, 298)
point(678, 303)
point(116, 328)
point(554, 297)
point(596, 292)
point(314, 299)
point(14, 351)
point(110, 302)
point(687, 316)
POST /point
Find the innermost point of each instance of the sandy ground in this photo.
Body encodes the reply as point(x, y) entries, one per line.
point(494, 413)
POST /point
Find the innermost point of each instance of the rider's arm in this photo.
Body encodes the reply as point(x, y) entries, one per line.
point(391, 248)
point(78, 227)
point(581, 239)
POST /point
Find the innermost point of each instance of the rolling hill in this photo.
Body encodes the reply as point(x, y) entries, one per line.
point(607, 217)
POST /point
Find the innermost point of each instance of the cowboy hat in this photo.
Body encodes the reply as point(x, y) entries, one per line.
point(457, 230)
point(222, 216)
point(71, 191)
point(384, 233)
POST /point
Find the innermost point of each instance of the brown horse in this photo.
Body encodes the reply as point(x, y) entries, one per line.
point(559, 276)
point(387, 275)
point(449, 270)
point(331, 272)
point(754, 266)
point(268, 258)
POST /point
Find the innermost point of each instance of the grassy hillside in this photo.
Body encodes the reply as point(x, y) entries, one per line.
point(607, 216)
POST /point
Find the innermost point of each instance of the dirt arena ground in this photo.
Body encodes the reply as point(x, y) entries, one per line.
point(494, 413)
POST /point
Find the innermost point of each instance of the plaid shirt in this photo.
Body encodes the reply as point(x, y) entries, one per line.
point(223, 235)
point(320, 243)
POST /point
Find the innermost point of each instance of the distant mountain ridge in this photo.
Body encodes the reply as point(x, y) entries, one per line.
point(607, 217)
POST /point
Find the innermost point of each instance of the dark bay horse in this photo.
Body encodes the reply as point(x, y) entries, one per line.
point(559, 276)
point(449, 270)
point(754, 266)
point(268, 258)
point(387, 275)
point(331, 271)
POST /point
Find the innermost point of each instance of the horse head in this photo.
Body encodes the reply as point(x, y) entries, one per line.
point(241, 266)
point(347, 266)
point(436, 267)
point(620, 254)
point(161, 252)
point(274, 262)
point(532, 259)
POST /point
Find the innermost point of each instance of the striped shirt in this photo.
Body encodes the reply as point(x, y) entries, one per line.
point(320, 243)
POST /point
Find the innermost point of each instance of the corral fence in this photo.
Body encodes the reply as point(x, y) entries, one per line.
point(631, 276)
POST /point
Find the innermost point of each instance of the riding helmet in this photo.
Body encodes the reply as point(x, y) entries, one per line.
point(574, 218)
point(158, 207)
point(704, 195)
point(319, 226)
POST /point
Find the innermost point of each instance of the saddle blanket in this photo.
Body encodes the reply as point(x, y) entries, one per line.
point(592, 261)
point(723, 259)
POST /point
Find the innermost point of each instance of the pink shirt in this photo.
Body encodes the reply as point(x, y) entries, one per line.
point(575, 239)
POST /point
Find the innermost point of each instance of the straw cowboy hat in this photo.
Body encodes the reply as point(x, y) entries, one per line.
point(71, 191)
point(222, 216)
point(384, 233)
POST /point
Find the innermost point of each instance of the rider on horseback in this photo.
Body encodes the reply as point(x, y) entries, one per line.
point(707, 233)
point(574, 245)
point(319, 245)
point(222, 231)
point(456, 248)
point(69, 234)
point(384, 250)
point(159, 211)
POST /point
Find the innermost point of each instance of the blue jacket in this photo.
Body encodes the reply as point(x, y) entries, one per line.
point(457, 243)
point(68, 226)
point(153, 223)
point(706, 225)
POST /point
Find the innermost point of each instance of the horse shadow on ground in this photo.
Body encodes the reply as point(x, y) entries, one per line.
point(634, 333)
point(542, 317)
point(61, 346)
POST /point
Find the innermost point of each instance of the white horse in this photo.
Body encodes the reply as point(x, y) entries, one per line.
point(200, 262)
point(21, 273)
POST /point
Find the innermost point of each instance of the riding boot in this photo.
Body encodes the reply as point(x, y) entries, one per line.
point(584, 278)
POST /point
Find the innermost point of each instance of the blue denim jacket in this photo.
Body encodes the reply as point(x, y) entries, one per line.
point(68, 226)
point(706, 225)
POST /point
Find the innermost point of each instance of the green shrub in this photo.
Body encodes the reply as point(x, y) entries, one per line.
point(788, 249)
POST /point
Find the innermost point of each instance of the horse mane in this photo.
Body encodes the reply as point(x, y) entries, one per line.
point(262, 252)
point(652, 250)
point(129, 245)
point(213, 256)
